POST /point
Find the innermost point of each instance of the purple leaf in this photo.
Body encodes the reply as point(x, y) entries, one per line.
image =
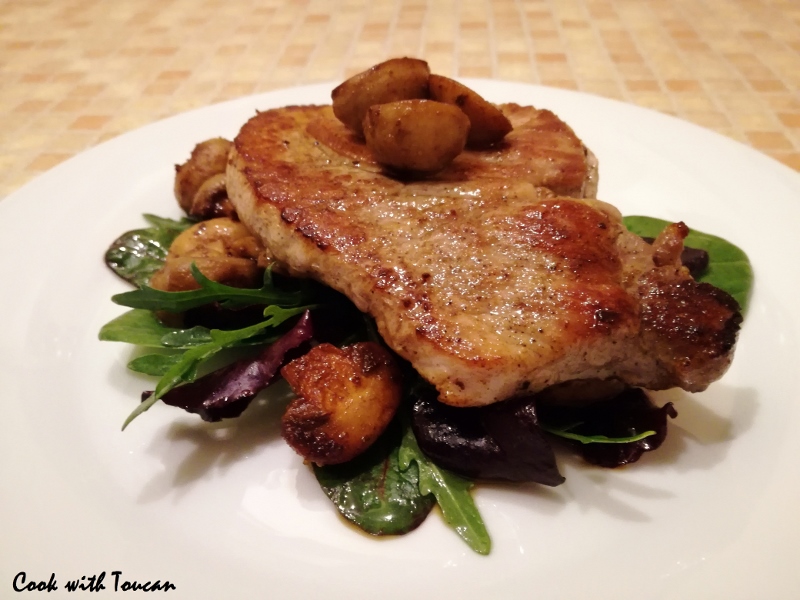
point(628, 414)
point(226, 392)
point(501, 441)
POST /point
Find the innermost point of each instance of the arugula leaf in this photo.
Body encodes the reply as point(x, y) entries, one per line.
point(186, 338)
point(142, 328)
point(137, 254)
point(373, 492)
point(728, 268)
point(451, 492)
point(610, 433)
point(185, 369)
point(594, 439)
point(154, 364)
point(226, 392)
point(210, 291)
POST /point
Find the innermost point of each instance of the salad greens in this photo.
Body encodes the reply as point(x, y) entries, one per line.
point(374, 492)
point(389, 489)
point(184, 369)
point(451, 492)
point(610, 433)
point(142, 328)
point(211, 291)
point(156, 365)
point(137, 254)
point(565, 433)
point(393, 486)
point(138, 327)
point(225, 393)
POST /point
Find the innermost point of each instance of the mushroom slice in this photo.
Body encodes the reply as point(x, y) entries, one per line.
point(223, 249)
point(415, 135)
point(211, 200)
point(395, 79)
point(488, 124)
point(200, 181)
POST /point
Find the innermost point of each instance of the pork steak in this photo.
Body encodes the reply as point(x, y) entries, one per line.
point(494, 278)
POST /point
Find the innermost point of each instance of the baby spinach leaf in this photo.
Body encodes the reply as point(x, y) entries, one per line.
point(137, 254)
point(139, 327)
point(167, 224)
point(728, 267)
point(451, 492)
point(392, 487)
point(373, 492)
point(211, 291)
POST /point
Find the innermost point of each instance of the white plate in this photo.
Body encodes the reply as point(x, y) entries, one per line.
point(713, 514)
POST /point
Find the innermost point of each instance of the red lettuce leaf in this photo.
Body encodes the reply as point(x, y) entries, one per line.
point(226, 392)
point(502, 441)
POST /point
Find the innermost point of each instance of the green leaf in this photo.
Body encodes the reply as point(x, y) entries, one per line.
point(167, 224)
point(142, 328)
point(728, 268)
point(373, 492)
point(186, 338)
point(210, 291)
point(137, 254)
point(185, 370)
point(565, 432)
point(451, 492)
point(154, 364)
point(139, 327)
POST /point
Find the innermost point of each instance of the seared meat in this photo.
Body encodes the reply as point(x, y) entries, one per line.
point(489, 284)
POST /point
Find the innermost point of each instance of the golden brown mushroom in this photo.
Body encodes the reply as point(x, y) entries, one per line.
point(200, 181)
point(345, 399)
point(223, 249)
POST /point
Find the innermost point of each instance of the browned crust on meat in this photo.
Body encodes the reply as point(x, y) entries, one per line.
point(487, 283)
point(692, 326)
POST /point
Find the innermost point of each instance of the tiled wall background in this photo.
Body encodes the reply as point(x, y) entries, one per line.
point(76, 72)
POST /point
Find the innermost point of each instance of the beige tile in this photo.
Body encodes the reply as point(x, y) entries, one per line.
point(710, 119)
point(90, 122)
point(790, 159)
point(790, 119)
point(46, 160)
point(769, 140)
point(643, 85)
point(76, 73)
